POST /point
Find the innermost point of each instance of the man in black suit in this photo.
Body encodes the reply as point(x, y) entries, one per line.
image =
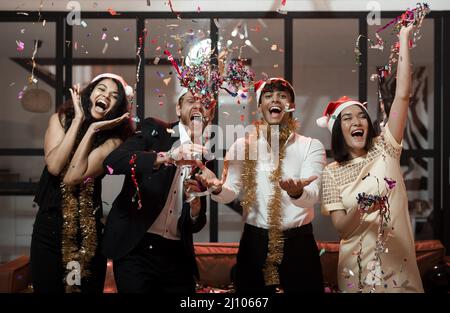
point(148, 233)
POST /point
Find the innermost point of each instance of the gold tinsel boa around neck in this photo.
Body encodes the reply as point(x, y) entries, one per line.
point(78, 222)
point(248, 176)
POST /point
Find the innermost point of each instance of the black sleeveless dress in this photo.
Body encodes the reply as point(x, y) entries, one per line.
point(47, 269)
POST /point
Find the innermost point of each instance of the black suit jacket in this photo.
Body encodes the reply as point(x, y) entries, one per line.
point(126, 224)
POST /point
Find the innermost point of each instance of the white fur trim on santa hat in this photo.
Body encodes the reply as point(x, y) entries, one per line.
point(128, 89)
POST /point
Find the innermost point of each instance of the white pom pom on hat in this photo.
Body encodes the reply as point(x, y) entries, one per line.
point(128, 89)
point(334, 108)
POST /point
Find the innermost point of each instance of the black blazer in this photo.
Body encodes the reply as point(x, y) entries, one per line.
point(126, 224)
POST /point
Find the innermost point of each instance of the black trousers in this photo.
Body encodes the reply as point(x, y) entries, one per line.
point(156, 265)
point(47, 270)
point(299, 271)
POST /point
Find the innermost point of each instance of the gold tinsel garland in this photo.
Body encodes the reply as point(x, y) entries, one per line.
point(248, 176)
point(78, 220)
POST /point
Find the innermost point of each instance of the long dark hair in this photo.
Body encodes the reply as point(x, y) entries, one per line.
point(66, 114)
point(339, 147)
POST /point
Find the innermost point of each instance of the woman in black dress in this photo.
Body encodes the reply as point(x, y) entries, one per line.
point(65, 252)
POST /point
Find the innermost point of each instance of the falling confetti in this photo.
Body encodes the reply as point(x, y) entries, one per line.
point(20, 45)
point(110, 169)
point(105, 47)
point(84, 24)
point(322, 251)
point(116, 38)
point(171, 8)
point(133, 177)
point(112, 12)
point(166, 81)
point(273, 47)
point(170, 130)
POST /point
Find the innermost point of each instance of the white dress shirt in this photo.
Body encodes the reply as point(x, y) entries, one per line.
point(304, 157)
point(166, 224)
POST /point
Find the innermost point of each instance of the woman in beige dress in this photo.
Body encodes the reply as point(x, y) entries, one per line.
point(364, 192)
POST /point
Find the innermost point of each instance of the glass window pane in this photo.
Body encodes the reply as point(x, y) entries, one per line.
point(419, 132)
point(418, 177)
point(324, 69)
point(15, 169)
point(25, 115)
point(161, 83)
point(105, 39)
point(260, 42)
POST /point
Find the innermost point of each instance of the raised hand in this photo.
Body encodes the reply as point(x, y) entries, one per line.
point(76, 99)
point(208, 179)
point(294, 187)
point(188, 154)
point(109, 124)
point(406, 31)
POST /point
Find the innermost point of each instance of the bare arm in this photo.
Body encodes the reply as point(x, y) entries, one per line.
point(345, 223)
point(399, 111)
point(57, 144)
point(86, 163)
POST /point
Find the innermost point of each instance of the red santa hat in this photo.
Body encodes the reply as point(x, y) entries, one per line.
point(260, 84)
point(333, 110)
point(128, 89)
